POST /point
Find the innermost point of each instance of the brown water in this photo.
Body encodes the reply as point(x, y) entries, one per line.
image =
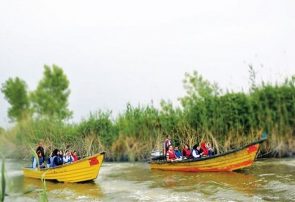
point(267, 180)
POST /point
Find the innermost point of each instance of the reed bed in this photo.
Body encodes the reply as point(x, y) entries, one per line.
point(228, 120)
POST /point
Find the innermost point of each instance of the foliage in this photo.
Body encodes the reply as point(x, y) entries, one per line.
point(15, 91)
point(50, 99)
point(228, 120)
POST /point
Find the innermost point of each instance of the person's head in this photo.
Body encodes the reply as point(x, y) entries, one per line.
point(68, 152)
point(74, 152)
point(176, 148)
point(39, 153)
point(186, 146)
point(170, 147)
point(55, 152)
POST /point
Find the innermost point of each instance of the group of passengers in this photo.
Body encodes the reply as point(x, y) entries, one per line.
point(198, 151)
point(57, 157)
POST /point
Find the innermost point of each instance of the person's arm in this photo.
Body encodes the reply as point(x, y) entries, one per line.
point(34, 164)
point(167, 157)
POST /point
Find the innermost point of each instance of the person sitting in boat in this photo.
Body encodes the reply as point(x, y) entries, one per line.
point(197, 152)
point(210, 149)
point(177, 152)
point(41, 161)
point(48, 160)
point(204, 148)
point(68, 158)
point(166, 144)
point(75, 156)
point(60, 157)
point(186, 152)
point(55, 159)
point(170, 155)
point(40, 148)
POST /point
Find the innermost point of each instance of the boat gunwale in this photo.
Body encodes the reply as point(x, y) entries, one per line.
point(207, 157)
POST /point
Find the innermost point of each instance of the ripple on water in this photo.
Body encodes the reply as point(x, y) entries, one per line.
point(266, 180)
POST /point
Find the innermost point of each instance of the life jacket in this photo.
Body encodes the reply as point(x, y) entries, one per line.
point(171, 155)
point(186, 153)
point(75, 157)
point(204, 148)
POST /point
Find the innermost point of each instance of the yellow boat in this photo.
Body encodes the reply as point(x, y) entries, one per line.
point(229, 161)
point(79, 171)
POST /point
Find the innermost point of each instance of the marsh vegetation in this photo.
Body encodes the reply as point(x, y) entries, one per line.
point(227, 119)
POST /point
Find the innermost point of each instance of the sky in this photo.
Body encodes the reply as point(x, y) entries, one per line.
point(115, 52)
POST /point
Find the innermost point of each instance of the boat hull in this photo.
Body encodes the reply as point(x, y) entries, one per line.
point(229, 161)
point(79, 171)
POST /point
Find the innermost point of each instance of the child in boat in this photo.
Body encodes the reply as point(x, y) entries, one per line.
point(197, 152)
point(210, 149)
point(177, 152)
point(170, 155)
point(68, 157)
point(41, 161)
point(186, 152)
point(55, 159)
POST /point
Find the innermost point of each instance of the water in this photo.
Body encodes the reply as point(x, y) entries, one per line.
point(267, 180)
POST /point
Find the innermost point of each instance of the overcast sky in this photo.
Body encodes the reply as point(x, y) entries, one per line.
point(115, 52)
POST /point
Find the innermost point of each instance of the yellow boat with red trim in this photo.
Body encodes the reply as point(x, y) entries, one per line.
point(229, 161)
point(79, 171)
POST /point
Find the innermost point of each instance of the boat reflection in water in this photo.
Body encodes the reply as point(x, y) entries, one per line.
point(59, 190)
point(206, 182)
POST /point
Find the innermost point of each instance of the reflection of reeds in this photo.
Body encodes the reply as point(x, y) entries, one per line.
point(43, 194)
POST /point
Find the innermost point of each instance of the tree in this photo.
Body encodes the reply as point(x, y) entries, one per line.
point(15, 91)
point(197, 89)
point(50, 99)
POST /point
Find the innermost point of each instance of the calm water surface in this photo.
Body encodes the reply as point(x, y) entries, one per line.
point(267, 180)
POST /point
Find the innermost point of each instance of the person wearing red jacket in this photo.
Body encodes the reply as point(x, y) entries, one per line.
point(170, 155)
point(204, 148)
point(186, 152)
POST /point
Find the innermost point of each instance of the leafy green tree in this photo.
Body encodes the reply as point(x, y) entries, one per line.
point(50, 99)
point(15, 91)
point(197, 89)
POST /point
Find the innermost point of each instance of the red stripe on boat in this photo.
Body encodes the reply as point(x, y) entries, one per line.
point(252, 149)
point(93, 161)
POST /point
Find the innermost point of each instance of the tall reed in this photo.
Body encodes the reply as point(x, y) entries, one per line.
point(228, 120)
